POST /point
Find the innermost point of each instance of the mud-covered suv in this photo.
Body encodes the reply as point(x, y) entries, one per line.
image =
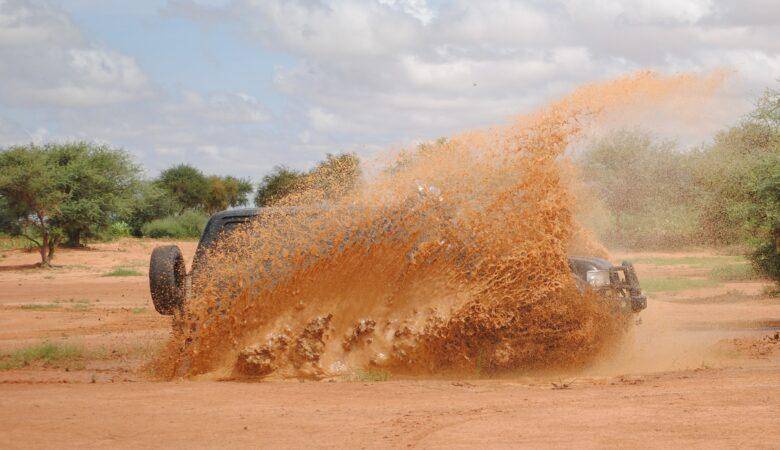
point(169, 281)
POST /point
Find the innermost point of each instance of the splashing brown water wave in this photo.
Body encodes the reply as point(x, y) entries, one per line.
point(452, 258)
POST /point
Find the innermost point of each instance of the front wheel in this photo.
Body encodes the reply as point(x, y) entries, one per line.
point(167, 277)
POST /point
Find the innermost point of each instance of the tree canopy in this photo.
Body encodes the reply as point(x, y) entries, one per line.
point(187, 184)
point(274, 186)
point(64, 190)
point(191, 189)
point(226, 192)
point(331, 178)
point(98, 183)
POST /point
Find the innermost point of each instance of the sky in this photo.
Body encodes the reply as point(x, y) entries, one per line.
point(240, 86)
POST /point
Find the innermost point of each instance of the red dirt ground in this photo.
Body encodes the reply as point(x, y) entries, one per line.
point(702, 370)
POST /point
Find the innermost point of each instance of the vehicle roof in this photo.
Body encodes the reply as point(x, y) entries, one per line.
point(251, 212)
point(240, 212)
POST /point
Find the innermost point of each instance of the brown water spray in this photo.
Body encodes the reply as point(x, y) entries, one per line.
point(453, 258)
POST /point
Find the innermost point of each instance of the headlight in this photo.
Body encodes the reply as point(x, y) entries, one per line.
point(598, 278)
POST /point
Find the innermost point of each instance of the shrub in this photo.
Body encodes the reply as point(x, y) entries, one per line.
point(114, 231)
point(766, 259)
point(119, 229)
point(189, 224)
point(150, 202)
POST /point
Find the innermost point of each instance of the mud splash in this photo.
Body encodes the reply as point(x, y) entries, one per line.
point(453, 257)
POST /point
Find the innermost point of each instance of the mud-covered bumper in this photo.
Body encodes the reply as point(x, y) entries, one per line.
point(624, 283)
point(618, 282)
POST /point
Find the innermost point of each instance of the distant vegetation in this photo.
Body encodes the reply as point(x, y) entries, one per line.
point(61, 194)
point(641, 192)
point(657, 196)
point(187, 224)
point(331, 178)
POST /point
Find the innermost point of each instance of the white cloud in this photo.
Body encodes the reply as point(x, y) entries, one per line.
point(363, 74)
point(641, 11)
point(342, 28)
point(223, 108)
point(322, 120)
point(24, 24)
point(416, 8)
point(46, 61)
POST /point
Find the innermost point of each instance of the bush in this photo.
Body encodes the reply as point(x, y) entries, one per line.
point(766, 259)
point(150, 202)
point(119, 229)
point(189, 224)
point(646, 188)
point(764, 220)
point(113, 232)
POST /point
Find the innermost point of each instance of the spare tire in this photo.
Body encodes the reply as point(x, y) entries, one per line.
point(167, 276)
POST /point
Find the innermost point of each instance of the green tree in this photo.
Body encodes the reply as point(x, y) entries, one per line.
point(7, 220)
point(646, 185)
point(149, 202)
point(281, 182)
point(98, 183)
point(739, 175)
point(188, 186)
point(29, 185)
point(337, 175)
point(331, 178)
point(764, 218)
point(731, 169)
point(226, 192)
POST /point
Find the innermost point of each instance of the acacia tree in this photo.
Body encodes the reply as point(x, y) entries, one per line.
point(226, 192)
point(187, 184)
point(30, 190)
point(281, 182)
point(58, 190)
point(333, 177)
point(98, 183)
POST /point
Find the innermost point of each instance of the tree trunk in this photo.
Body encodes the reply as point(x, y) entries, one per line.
point(74, 238)
point(44, 249)
point(46, 242)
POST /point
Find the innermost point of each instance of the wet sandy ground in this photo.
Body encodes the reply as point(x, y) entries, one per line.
point(702, 369)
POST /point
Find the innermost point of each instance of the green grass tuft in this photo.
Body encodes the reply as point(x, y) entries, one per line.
point(123, 272)
point(80, 307)
point(691, 261)
point(372, 375)
point(667, 284)
point(46, 353)
point(734, 272)
point(39, 306)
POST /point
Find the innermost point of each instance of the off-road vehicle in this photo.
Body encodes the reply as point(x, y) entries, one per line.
point(169, 281)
